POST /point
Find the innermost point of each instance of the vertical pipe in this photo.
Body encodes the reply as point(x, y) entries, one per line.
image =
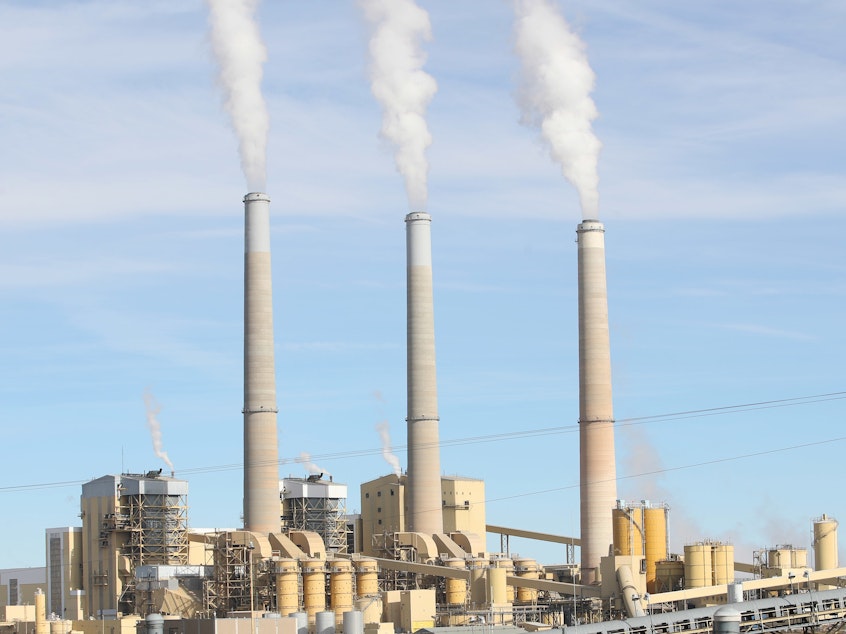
point(424, 465)
point(261, 452)
point(597, 470)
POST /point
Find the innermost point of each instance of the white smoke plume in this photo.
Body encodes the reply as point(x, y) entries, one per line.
point(305, 460)
point(153, 409)
point(402, 87)
point(554, 94)
point(384, 430)
point(240, 53)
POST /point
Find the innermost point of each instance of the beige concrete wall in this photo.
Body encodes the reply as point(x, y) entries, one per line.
point(463, 504)
point(382, 510)
point(417, 610)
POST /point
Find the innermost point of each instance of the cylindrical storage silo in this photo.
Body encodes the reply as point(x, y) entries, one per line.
point(825, 546)
point(301, 619)
point(478, 586)
point(353, 622)
point(722, 563)
point(496, 586)
point(655, 527)
point(370, 608)
point(669, 575)
point(340, 588)
point(366, 577)
point(42, 626)
point(314, 587)
point(825, 543)
point(697, 565)
point(734, 594)
point(287, 586)
point(526, 569)
point(628, 530)
point(324, 622)
point(154, 623)
point(726, 621)
point(507, 564)
point(799, 558)
point(456, 589)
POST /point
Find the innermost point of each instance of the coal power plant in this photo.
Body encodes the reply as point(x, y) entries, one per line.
point(417, 557)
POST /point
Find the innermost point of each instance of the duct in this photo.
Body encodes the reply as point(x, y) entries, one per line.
point(628, 590)
point(471, 543)
point(310, 543)
point(423, 490)
point(261, 451)
point(425, 546)
point(597, 470)
point(447, 545)
point(283, 544)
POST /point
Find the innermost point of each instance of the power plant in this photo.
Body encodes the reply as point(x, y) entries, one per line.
point(416, 558)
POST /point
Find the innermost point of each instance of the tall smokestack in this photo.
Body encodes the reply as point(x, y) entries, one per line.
point(261, 451)
point(424, 462)
point(598, 485)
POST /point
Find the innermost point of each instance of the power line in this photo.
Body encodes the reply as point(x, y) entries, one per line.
point(505, 436)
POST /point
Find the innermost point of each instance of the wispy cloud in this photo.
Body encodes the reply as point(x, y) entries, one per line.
point(766, 331)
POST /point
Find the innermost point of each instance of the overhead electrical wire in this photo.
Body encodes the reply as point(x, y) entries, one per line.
point(530, 433)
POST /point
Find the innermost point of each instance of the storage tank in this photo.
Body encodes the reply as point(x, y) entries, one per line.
point(506, 564)
point(314, 587)
point(496, 586)
point(353, 622)
point(366, 577)
point(324, 622)
point(722, 563)
point(655, 525)
point(456, 589)
point(628, 529)
point(669, 575)
point(287, 586)
point(340, 589)
point(825, 543)
point(526, 569)
point(697, 565)
point(478, 586)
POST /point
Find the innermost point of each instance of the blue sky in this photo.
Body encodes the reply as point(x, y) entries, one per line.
point(721, 185)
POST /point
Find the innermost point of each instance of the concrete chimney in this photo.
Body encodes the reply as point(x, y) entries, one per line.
point(261, 451)
point(597, 471)
point(424, 463)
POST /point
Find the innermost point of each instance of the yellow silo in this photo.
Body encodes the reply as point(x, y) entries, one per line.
point(655, 525)
point(287, 586)
point(697, 565)
point(456, 589)
point(628, 533)
point(526, 569)
point(366, 578)
point(314, 587)
point(496, 586)
point(478, 586)
point(508, 565)
point(825, 546)
point(722, 563)
point(340, 588)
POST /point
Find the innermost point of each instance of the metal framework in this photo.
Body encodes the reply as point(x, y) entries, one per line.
point(324, 516)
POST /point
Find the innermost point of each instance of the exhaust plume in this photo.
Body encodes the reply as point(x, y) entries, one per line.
point(402, 87)
point(384, 430)
point(153, 409)
point(240, 53)
point(554, 94)
point(305, 460)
